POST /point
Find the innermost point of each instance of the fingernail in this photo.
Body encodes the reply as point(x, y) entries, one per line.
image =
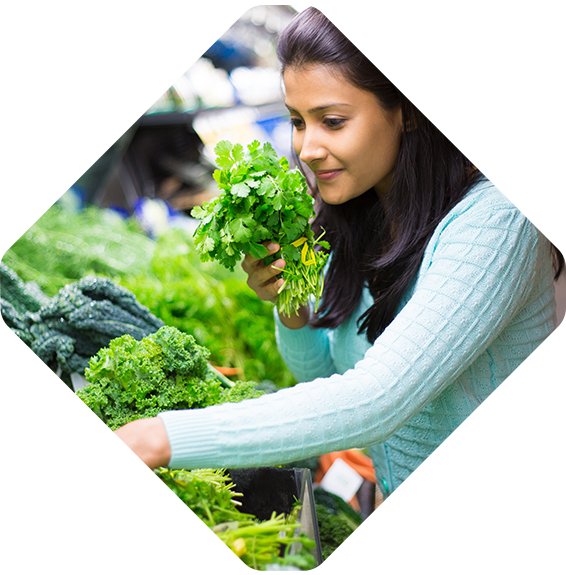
point(279, 264)
point(272, 247)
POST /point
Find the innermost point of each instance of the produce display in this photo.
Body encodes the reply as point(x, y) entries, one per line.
point(214, 305)
point(210, 495)
point(133, 378)
point(262, 199)
point(165, 274)
point(65, 245)
point(65, 331)
point(145, 320)
point(166, 370)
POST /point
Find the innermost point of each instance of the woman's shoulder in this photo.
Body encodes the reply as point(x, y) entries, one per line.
point(483, 196)
point(484, 206)
point(484, 217)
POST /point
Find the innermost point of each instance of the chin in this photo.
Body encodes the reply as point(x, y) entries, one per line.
point(336, 198)
point(332, 200)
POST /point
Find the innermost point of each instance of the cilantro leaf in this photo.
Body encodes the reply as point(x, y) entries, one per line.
point(223, 148)
point(266, 188)
point(278, 202)
point(224, 158)
point(254, 146)
point(238, 153)
point(240, 190)
point(208, 245)
point(261, 199)
point(240, 232)
point(258, 251)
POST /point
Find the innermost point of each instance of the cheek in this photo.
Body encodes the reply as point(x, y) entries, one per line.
point(381, 150)
point(297, 140)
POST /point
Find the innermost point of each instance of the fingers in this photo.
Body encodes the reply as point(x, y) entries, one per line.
point(148, 439)
point(250, 263)
point(262, 277)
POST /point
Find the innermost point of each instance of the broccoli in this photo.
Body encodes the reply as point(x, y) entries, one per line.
point(164, 371)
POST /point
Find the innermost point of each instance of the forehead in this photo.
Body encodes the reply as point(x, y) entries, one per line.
point(318, 86)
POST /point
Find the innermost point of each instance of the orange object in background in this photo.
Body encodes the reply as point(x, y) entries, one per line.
point(228, 370)
point(357, 460)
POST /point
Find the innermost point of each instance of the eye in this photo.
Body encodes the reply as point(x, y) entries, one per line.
point(334, 122)
point(297, 123)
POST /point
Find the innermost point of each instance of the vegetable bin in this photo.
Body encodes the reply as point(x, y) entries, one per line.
point(268, 489)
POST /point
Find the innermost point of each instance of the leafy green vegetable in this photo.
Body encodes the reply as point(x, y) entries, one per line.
point(64, 246)
point(84, 317)
point(164, 371)
point(19, 303)
point(210, 494)
point(167, 276)
point(67, 329)
point(262, 199)
point(24, 296)
point(259, 543)
point(333, 530)
point(336, 520)
point(214, 305)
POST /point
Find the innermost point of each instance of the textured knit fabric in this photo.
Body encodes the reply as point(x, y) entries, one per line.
point(482, 301)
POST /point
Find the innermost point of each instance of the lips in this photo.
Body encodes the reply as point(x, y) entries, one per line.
point(327, 175)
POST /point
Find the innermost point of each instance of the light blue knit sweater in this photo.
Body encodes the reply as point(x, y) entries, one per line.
point(483, 300)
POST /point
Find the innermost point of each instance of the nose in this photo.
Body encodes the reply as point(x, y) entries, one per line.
point(309, 146)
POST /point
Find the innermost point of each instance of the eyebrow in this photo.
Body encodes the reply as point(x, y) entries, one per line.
point(317, 108)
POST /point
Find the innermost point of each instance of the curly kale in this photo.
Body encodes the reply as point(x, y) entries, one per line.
point(164, 371)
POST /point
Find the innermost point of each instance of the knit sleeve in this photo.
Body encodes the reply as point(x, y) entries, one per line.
point(305, 351)
point(481, 267)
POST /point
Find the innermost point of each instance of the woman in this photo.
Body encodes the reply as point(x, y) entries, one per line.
point(437, 287)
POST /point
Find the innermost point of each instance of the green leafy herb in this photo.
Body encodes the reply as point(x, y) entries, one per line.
point(210, 494)
point(262, 199)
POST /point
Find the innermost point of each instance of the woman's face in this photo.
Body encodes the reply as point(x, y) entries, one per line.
point(341, 132)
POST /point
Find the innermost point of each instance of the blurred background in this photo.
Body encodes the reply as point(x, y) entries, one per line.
point(162, 166)
point(127, 218)
point(232, 92)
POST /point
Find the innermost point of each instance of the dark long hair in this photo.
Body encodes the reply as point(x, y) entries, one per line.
point(376, 245)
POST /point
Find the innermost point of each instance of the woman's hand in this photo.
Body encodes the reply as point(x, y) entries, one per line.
point(263, 280)
point(148, 439)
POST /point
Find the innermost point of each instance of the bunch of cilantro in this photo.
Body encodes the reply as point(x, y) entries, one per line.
point(164, 371)
point(262, 199)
